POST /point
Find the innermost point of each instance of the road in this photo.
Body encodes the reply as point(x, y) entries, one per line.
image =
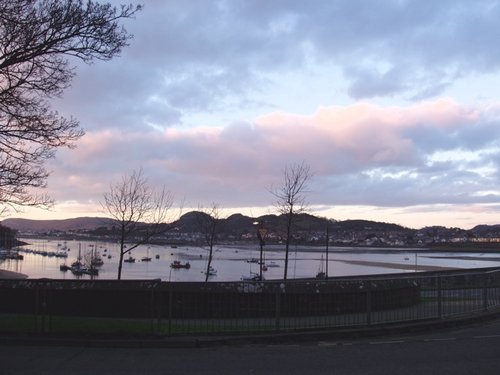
point(466, 350)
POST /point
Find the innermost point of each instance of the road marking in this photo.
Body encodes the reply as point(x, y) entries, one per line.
point(322, 343)
point(486, 337)
point(386, 342)
point(443, 339)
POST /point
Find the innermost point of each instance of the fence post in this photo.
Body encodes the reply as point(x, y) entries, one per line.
point(440, 298)
point(155, 306)
point(485, 293)
point(152, 309)
point(159, 299)
point(368, 303)
point(37, 306)
point(43, 308)
point(277, 319)
point(170, 307)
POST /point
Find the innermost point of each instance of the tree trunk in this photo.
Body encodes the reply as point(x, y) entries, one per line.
point(287, 242)
point(209, 263)
point(120, 262)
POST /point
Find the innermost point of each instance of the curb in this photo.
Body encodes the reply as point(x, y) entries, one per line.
point(284, 338)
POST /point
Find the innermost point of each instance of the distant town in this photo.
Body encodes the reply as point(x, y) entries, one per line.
point(237, 228)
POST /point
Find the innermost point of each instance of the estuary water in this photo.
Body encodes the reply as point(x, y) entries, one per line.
point(233, 262)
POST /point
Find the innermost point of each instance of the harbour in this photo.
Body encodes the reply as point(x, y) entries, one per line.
point(44, 258)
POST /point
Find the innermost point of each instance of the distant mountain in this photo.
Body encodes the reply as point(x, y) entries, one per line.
point(486, 230)
point(235, 224)
point(42, 226)
point(307, 229)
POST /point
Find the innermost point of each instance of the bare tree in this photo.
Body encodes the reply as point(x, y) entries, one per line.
point(209, 222)
point(37, 40)
point(140, 211)
point(291, 199)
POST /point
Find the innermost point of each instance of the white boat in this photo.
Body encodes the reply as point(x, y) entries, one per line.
point(254, 276)
point(211, 271)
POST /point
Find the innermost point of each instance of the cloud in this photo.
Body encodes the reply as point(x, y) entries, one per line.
point(361, 154)
point(213, 99)
point(198, 57)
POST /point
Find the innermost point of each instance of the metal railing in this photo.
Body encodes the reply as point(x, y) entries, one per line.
point(161, 308)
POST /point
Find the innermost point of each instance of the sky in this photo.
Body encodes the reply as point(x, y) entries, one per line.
point(394, 105)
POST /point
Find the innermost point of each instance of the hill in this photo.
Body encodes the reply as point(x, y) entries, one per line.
point(65, 225)
point(308, 229)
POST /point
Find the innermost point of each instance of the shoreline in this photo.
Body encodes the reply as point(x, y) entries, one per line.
point(397, 265)
point(4, 274)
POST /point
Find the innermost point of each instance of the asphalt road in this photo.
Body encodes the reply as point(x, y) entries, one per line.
point(467, 350)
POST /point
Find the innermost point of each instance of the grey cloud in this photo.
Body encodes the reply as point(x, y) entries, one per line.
point(367, 83)
point(201, 57)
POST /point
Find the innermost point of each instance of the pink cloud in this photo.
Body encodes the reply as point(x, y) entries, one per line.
point(237, 163)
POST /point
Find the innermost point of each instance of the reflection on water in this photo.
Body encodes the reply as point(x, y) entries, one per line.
point(231, 261)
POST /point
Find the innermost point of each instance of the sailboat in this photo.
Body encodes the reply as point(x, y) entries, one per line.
point(211, 271)
point(130, 259)
point(78, 263)
point(147, 258)
point(321, 273)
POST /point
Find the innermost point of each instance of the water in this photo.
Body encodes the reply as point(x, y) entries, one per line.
point(231, 261)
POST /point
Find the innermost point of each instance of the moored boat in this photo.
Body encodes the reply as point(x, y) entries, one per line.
point(252, 277)
point(130, 259)
point(272, 264)
point(211, 271)
point(177, 264)
point(64, 267)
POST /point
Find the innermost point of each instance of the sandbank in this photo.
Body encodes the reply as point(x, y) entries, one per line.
point(399, 266)
point(4, 274)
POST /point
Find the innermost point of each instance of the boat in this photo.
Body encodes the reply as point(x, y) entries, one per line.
point(96, 261)
point(80, 270)
point(77, 271)
point(272, 264)
point(147, 258)
point(321, 273)
point(177, 264)
point(90, 271)
point(252, 277)
point(64, 267)
point(130, 259)
point(14, 256)
point(77, 264)
point(211, 271)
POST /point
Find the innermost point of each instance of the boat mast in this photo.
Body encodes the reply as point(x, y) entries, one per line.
point(327, 243)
